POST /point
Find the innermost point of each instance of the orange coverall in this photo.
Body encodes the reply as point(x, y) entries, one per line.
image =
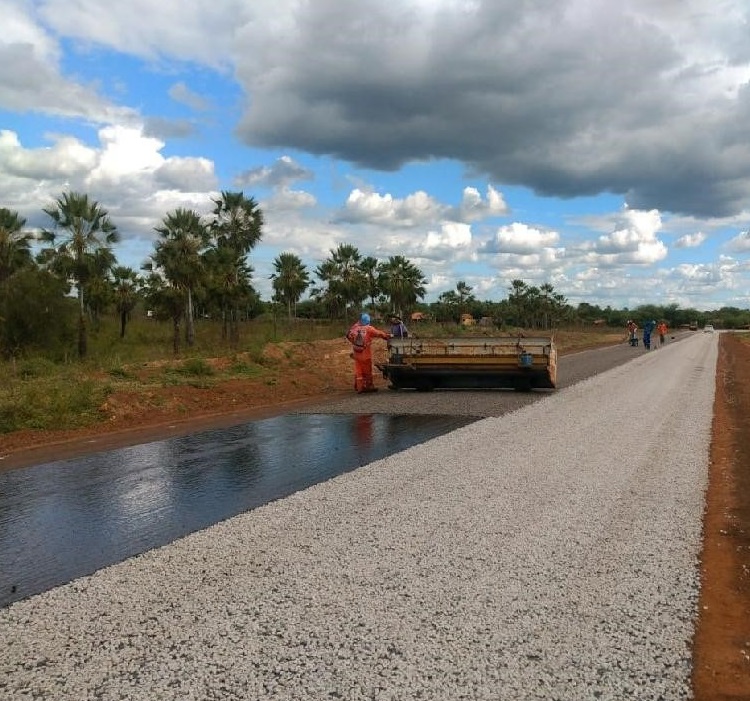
point(661, 329)
point(363, 357)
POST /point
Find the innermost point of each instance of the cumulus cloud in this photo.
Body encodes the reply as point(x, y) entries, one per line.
point(740, 243)
point(126, 172)
point(30, 74)
point(531, 266)
point(520, 239)
point(65, 158)
point(633, 241)
point(696, 277)
point(450, 237)
point(279, 178)
point(186, 174)
point(690, 240)
point(419, 207)
point(199, 30)
point(281, 174)
point(285, 199)
point(473, 207)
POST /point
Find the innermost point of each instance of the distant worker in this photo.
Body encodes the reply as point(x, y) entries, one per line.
point(398, 328)
point(632, 332)
point(648, 329)
point(661, 329)
point(361, 336)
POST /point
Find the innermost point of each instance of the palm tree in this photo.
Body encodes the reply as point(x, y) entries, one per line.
point(344, 277)
point(183, 237)
point(98, 288)
point(87, 231)
point(327, 294)
point(518, 300)
point(546, 292)
point(236, 229)
point(15, 243)
point(127, 285)
point(167, 299)
point(290, 280)
point(369, 267)
point(560, 307)
point(403, 282)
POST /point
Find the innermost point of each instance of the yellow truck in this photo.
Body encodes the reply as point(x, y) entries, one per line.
point(499, 362)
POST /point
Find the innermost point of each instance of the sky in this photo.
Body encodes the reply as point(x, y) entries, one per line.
point(602, 147)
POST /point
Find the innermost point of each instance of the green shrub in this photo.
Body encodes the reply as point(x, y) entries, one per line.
point(246, 369)
point(37, 315)
point(119, 372)
point(195, 366)
point(33, 368)
point(49, 404)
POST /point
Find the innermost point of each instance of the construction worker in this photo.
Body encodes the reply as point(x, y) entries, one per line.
point(648, 329)
point(361, 336)
point(398, 328)
point(632, 332)
point(661, 329)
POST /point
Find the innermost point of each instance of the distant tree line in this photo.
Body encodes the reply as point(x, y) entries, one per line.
point(201, 265)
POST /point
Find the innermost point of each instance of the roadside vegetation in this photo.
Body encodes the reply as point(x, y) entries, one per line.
point(37, 392)
point(60, 391)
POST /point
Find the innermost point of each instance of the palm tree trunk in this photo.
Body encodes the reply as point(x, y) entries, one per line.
point(123, 322)
point(176, 335)
point(82, 345)
point(190, 323)
point(234, 328)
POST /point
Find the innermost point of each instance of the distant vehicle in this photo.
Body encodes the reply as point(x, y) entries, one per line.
point(708, 328)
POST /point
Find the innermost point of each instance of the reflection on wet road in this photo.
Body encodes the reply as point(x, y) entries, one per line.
point(63, 520)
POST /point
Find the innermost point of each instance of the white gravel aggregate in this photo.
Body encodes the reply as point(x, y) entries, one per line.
point(551, 553)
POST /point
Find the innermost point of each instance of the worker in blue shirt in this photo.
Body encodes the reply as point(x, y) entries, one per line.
point(648, 329)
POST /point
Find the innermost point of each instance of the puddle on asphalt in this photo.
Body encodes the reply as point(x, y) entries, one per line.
point(66, 519)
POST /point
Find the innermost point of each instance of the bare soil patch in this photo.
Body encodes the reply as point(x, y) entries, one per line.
point(721, 657)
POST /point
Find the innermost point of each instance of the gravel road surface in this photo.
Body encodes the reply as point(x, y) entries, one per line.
point(550, 553)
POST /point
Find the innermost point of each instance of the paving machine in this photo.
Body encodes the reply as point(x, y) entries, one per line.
point(499, 362)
